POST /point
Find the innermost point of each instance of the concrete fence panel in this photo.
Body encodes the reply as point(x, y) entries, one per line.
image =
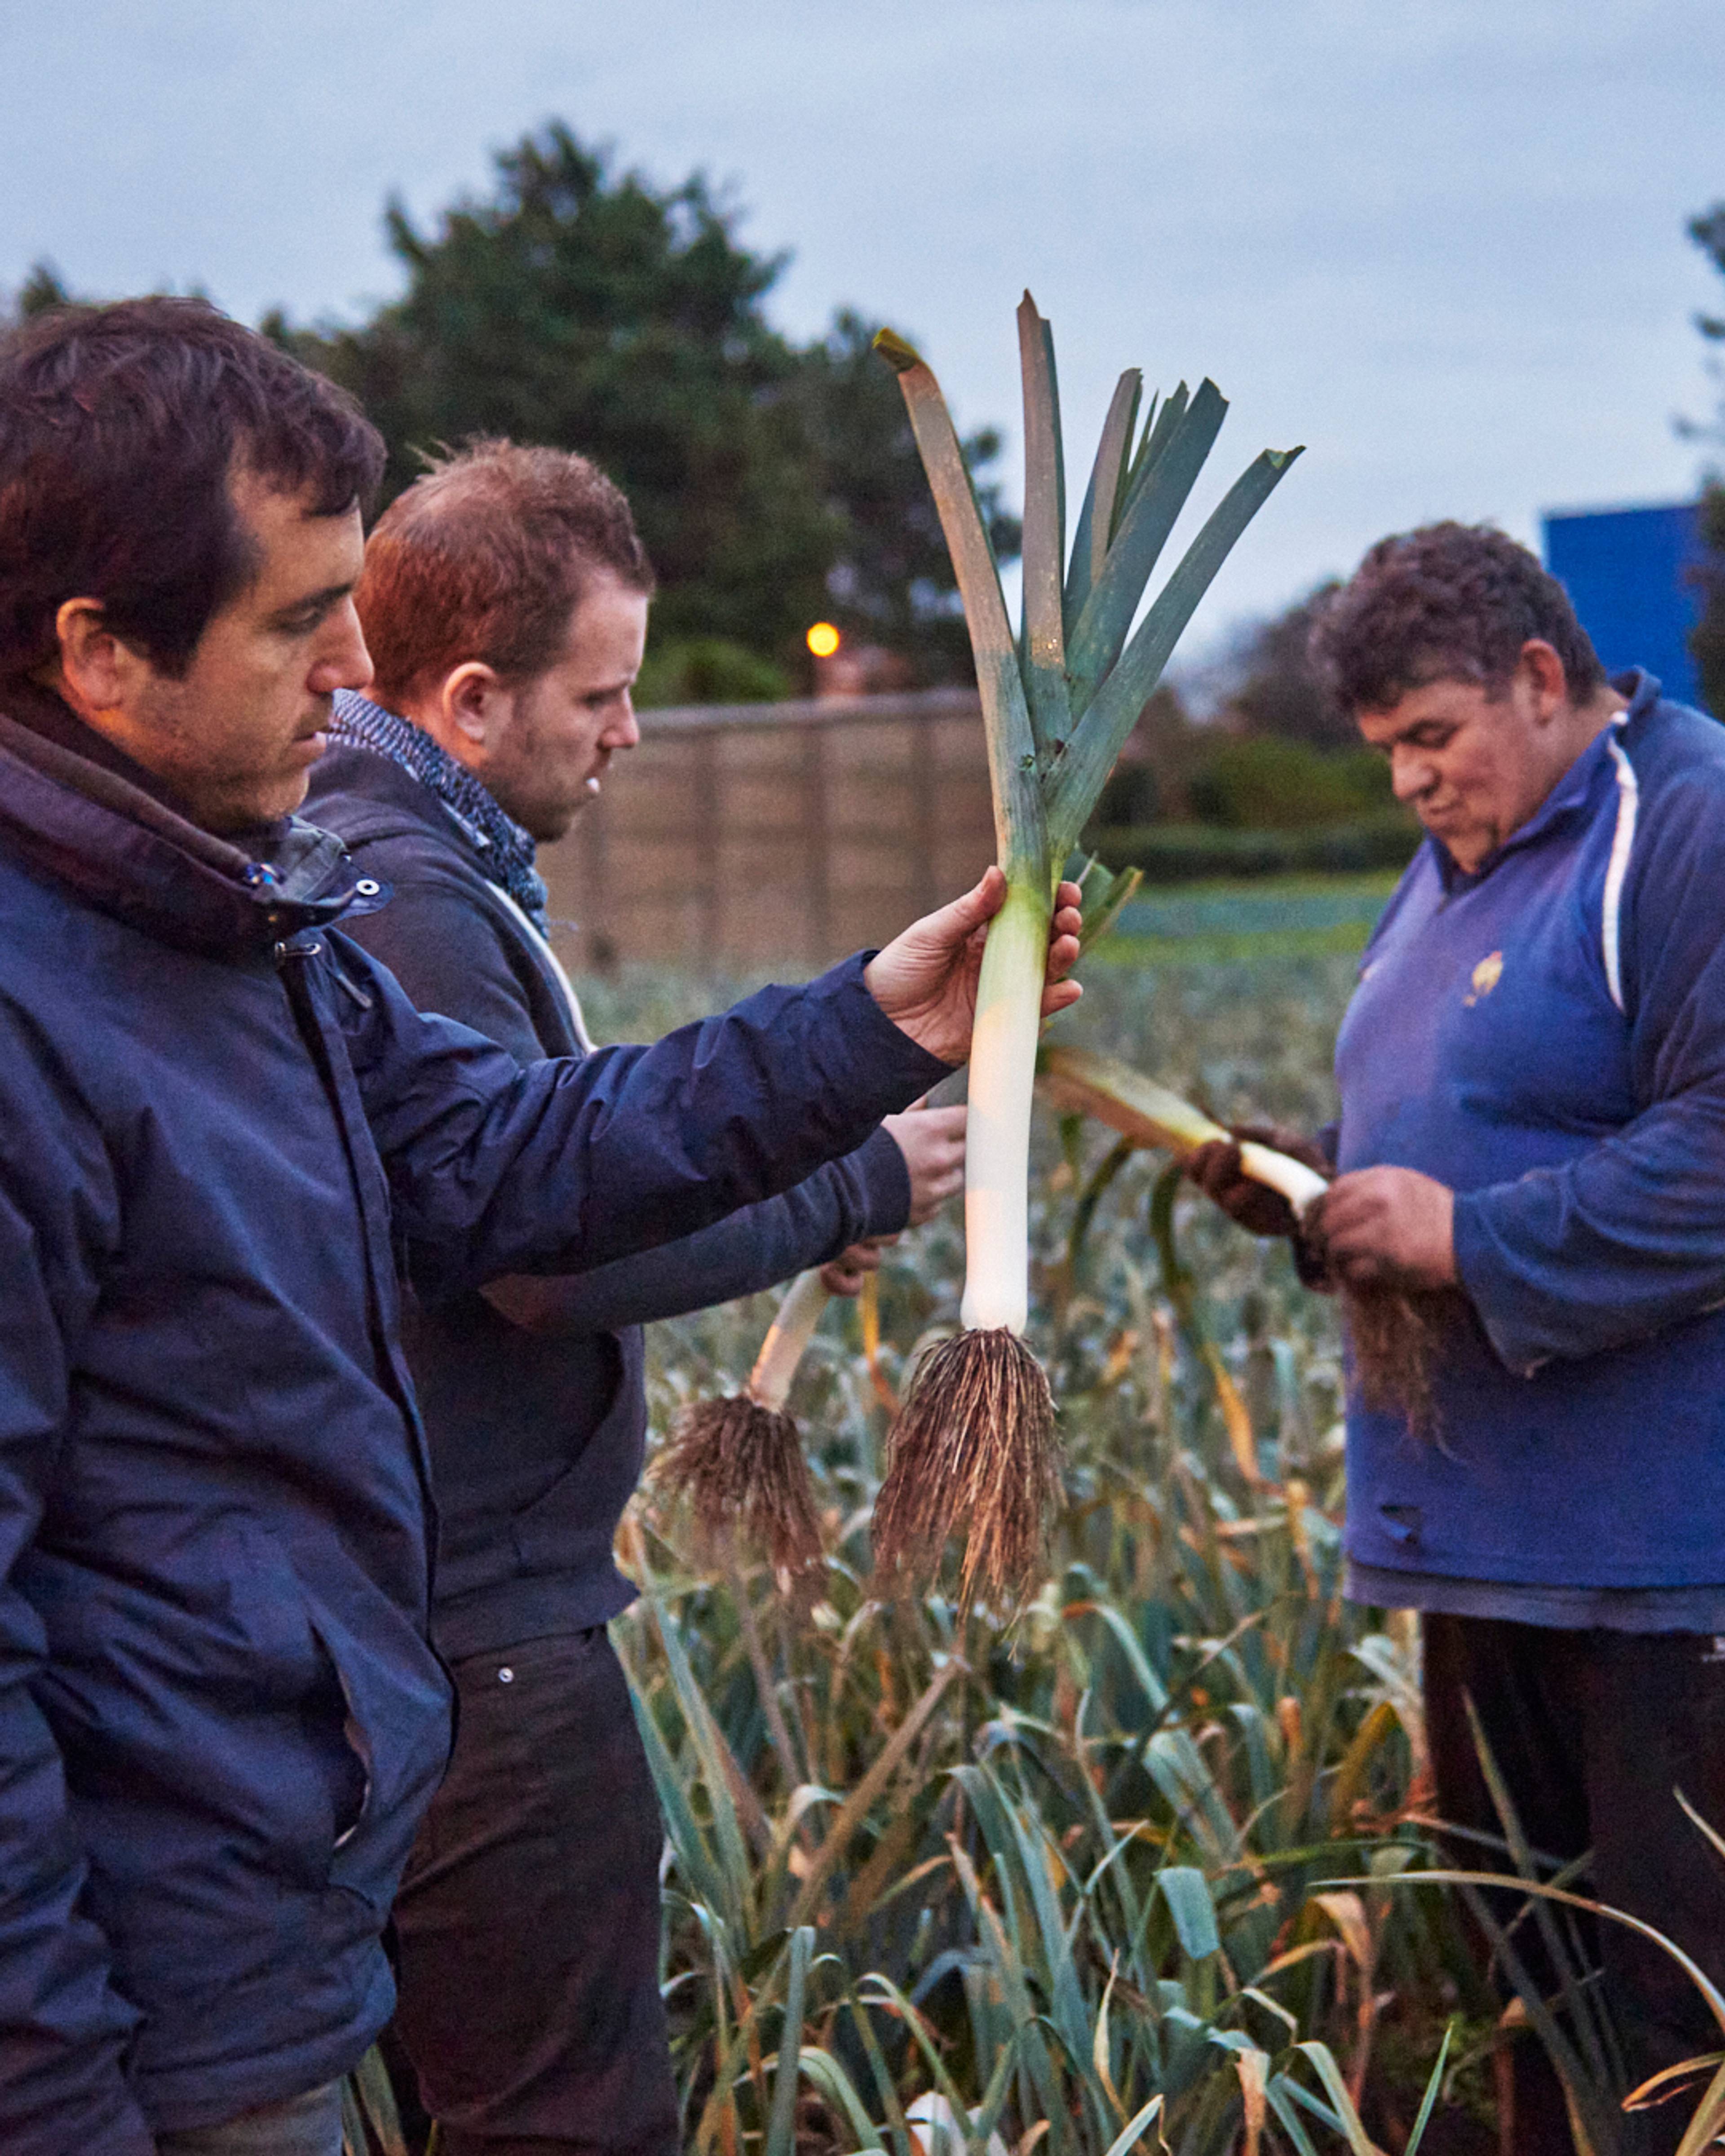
point(743, 835)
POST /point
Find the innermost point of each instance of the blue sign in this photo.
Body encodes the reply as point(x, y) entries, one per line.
point(1630, 575)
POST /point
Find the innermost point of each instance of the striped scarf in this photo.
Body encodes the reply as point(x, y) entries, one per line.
point(505, 851)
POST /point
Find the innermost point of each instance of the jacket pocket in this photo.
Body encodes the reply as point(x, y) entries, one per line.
point(559, 1531)
point(385, 1746)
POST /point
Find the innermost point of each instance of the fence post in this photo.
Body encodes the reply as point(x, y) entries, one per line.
point(925, 807)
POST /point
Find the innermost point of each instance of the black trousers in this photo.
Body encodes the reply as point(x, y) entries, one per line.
point(528, 1924)
point(1593, 1733)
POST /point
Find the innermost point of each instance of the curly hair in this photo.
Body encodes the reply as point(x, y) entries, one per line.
point(485, 558)
point(1454, 602)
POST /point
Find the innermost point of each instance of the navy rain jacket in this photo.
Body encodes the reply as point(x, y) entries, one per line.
point(222, 1127)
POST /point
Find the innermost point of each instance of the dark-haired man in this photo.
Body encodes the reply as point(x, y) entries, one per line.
point(1532, 1075)
point(505, 602)
point(222, 1124)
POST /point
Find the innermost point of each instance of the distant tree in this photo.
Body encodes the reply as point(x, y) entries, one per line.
point(1267, 684)
point(1708, 639)
point(41, 289)
point(588, 309)
point(593, 312)
point(891, 582)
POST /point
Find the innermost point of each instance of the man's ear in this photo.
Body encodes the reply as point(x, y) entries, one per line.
point(94, 670)
point(1543, 671)
point(475, 705)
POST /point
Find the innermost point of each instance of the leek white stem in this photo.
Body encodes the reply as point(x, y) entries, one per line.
point(790, 1333)
point(997, 1138)
point(1297, 1183)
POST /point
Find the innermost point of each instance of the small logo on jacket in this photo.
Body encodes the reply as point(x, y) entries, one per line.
point(1487, 975)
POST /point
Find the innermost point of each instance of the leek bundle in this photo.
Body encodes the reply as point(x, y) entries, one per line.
point(975, 1443)
point(739, 1461)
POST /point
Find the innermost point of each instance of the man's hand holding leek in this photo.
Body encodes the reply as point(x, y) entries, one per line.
point(926, 978)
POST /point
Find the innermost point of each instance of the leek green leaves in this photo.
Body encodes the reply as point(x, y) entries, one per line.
point(1059, 701)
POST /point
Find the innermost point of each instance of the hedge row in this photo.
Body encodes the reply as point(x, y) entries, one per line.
point(1190, 853)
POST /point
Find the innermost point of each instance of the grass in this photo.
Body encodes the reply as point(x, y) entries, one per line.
point(1257, 924)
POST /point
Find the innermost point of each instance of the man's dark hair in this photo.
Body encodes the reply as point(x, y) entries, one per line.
point(1449, 601)
point(121, 431)
point(485, 558)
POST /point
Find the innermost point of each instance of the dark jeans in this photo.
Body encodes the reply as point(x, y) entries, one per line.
point(1593, 1731)
point(527, 1925)
point(309, 2125)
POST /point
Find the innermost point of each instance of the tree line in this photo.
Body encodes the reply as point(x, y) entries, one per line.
point(775, 483)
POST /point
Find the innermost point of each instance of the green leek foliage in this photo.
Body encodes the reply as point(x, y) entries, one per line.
point(1059, 699)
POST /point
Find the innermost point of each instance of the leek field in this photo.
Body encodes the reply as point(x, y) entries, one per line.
point(1150, 1865)
point(1134, 1872)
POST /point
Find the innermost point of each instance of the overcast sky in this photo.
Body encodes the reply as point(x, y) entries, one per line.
point(1440, 242)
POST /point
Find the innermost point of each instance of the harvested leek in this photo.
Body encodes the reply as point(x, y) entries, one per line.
point(1083, 1083)
point(1395, 1335)
point(975, 1444)
point(739, 1462)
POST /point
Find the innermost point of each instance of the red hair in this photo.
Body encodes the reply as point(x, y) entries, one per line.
point(484, 559)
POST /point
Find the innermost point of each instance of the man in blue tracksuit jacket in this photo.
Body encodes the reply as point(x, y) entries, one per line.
point(224, 1131)
point(505, 602)
point(1532, 1074)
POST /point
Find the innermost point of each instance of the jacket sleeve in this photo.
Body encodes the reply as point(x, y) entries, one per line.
point(1629, 1236)
point(448, 955)
point(62, 2028)
point(866, 1193)
point(570, 1162)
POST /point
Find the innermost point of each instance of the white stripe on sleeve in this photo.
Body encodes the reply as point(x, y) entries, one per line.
point(1628, 802)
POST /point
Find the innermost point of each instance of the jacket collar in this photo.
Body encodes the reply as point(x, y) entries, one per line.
point(126, 851)
point(504, 851)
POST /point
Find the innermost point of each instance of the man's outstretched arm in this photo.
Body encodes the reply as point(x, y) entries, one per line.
point(496, 1169)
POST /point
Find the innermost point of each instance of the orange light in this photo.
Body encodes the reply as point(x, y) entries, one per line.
point(824, 639)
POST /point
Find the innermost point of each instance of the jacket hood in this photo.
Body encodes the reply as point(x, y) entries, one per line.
point(128, 855)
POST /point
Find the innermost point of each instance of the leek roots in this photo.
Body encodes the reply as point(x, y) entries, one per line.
point(974, 1446)
point(975, 1443)
point(738, 1463)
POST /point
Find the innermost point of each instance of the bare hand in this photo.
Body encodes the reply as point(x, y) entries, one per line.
point(1386, 1227)
point(1216, 1169)
point(932, 1142)
point(925, 980)
point(845, 1274)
